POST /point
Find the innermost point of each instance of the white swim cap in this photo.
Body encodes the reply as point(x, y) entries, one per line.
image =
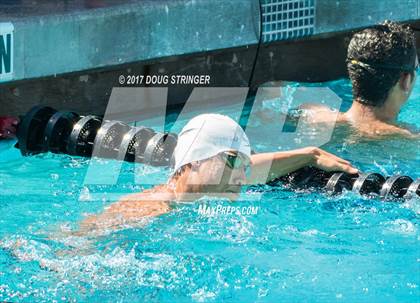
point(207, 135)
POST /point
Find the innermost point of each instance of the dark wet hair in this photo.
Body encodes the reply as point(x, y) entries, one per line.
point(376, 57)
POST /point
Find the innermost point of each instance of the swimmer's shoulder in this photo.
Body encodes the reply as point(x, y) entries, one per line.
point(382, 130)
point(156, 193)
point(156, 199)
point(317, 113)
point(131, 210)
point(391, 130)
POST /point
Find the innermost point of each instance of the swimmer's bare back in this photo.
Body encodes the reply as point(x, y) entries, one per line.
point(319, 114)
point(131, 209)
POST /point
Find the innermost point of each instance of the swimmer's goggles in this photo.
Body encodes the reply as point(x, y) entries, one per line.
point(234, 160)
point(385, 66)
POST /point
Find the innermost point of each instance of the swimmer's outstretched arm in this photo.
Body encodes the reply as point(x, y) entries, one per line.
point(269, 166)
point(129, 210)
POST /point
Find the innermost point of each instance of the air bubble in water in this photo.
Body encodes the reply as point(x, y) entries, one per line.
point(85, 194)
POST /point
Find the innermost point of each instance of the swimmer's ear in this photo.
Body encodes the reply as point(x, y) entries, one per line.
point(406, 80)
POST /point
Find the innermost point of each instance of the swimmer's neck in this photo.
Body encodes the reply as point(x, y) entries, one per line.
point(387, 113)
point(181, 190)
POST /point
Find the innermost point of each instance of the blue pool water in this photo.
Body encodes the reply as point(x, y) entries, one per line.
point(299, 247)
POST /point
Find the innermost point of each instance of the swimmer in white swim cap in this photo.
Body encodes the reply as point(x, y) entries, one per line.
point(212, 158)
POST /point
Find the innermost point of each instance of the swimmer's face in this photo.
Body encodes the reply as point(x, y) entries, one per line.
point(223, 174)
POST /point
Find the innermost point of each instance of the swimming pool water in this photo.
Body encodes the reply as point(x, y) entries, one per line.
point(299, 247)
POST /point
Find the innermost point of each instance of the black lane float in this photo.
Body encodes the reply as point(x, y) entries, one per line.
point(44, 129)
point(31, 129)
point(366, 184)
point(57, 131)
point(82, 136)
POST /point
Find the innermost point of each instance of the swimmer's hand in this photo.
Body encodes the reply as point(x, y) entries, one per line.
point(329, 162)
point(8, 127)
